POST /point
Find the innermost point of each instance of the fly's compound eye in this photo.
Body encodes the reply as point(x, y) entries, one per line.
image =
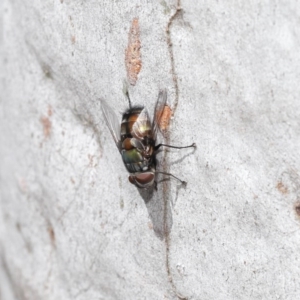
point(144, 178)
point(131, 179)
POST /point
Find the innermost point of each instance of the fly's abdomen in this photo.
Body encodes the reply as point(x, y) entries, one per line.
point(135, 123)
point(133, 161)
point(127, 123)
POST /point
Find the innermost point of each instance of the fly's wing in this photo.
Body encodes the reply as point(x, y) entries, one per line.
point(142, 125)
point(112, 122)
point(158, 111)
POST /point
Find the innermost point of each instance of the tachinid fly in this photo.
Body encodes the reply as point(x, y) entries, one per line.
point(135, 139)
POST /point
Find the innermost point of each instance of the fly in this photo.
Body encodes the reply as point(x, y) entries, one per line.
point(135, 138)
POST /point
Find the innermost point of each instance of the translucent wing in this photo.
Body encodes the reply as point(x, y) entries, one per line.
point(112, 122)
point(142, 125)
point(158, 111)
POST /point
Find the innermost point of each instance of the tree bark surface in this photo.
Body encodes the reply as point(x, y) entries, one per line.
point(73, 227)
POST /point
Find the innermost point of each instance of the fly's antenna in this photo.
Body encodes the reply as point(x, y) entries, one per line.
point(125, 91)
point(171, 175)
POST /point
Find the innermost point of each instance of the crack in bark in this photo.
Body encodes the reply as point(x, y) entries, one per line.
point(170, 49)
point(165, 165)
point(18, 287)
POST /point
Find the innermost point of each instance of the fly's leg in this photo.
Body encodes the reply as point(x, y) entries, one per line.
point(171, 175)
point(127, 95)
point(155, 185)
point(175, 147)
point(169, 146)
point(126, 92)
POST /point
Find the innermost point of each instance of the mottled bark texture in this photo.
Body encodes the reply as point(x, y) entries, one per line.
point(73, 227)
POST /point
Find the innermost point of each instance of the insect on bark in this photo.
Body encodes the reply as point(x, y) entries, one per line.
point(135, 138)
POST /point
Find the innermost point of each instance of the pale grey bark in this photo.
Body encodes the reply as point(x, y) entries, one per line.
point(72, 226)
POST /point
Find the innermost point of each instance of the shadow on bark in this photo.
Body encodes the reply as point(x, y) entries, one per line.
point(160, 213)
point(158, 202)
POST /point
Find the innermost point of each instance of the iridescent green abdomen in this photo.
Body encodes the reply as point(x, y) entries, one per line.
point(134, 161)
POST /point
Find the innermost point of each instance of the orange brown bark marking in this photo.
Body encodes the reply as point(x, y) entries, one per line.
point(165, 118)
point(51, 234)
point(282, 188)
point(46, 126)
point(297, 208)
point(133, 60)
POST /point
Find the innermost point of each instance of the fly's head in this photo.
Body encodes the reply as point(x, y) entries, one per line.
point(143, 180)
